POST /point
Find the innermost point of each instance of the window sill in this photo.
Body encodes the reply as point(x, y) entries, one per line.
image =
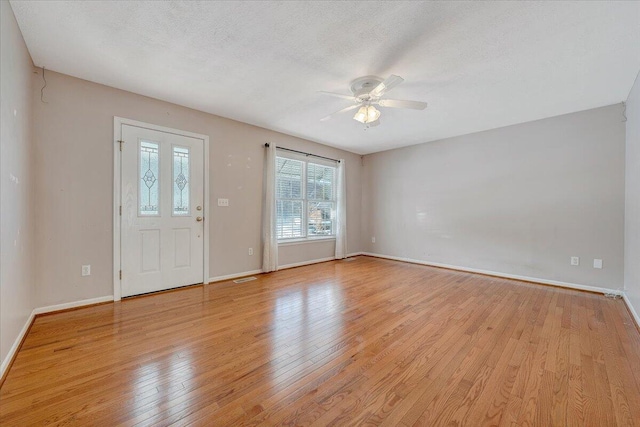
point(289, 242)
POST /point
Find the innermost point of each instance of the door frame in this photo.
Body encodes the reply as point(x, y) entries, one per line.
point(118, 122)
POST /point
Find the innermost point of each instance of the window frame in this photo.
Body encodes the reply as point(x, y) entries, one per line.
point(305, 238)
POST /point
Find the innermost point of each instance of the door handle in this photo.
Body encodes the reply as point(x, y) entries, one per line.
point(199, 218)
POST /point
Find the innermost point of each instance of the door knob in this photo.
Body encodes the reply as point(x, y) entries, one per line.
point(199, 218)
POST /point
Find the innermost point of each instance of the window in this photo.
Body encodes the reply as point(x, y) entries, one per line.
point(305, 199)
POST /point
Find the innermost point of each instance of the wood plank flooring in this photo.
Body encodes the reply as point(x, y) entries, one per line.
point(362, 342)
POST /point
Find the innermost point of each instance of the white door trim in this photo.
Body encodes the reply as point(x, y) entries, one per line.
point(117, 201)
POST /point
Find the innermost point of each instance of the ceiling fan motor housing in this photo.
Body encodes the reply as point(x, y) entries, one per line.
point(363, 85)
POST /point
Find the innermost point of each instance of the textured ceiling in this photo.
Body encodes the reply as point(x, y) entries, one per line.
point(479, 65)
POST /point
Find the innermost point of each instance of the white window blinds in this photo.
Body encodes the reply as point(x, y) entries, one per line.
point(305, 199)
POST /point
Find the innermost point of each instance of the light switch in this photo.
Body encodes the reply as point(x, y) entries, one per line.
point(597, 263)
point(223, 202)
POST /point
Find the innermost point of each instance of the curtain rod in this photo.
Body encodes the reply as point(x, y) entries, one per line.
point(306, 154)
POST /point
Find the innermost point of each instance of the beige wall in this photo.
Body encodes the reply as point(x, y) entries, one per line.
point(632, 201)
point(519, 200)
point(17, 297)
point(74, 159)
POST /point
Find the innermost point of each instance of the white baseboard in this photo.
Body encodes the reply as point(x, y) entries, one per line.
point(41, 310)
point(315, 261)
point(16, 344)
point(632, 310)
point(74, 304)
point(233, 276)
point(300, 264)
point(281, 267)
point(503, 275)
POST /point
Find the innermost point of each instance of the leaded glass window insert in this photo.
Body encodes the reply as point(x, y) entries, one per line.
point(149, 193)
point(305, 199)
point(181, 182)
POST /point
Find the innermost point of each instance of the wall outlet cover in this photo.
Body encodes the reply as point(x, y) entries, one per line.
point(86, 270)
point(597, 263)
point(575, 260)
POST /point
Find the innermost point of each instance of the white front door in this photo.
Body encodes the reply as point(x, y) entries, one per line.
point(162, 242)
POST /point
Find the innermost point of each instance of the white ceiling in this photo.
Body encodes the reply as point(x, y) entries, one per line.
point(479, 65)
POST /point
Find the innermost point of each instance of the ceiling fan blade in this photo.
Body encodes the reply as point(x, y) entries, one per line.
point(344, 110)
point(397, 103)
point(338, 95)
point(391, 82)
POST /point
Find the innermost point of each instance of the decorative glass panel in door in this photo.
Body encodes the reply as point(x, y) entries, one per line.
point(149, 196)
point(181, 179)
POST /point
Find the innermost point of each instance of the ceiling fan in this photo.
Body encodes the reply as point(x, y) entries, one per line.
point(367, 93)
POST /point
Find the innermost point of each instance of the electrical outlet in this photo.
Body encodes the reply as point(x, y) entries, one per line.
point(86, 270)
point(373, 240)
point(250, 251)
point(223, 202)
point(597, 263)
point(575, 260)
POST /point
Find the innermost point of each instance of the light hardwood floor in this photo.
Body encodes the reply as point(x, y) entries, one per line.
point(367, 341)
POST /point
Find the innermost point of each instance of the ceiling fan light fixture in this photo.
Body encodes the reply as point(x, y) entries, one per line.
point(372, 114)
point(361, 115)
point(367, 114)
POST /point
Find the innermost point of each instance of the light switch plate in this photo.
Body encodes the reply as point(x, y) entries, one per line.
point(223, 202)
point(597, 263)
